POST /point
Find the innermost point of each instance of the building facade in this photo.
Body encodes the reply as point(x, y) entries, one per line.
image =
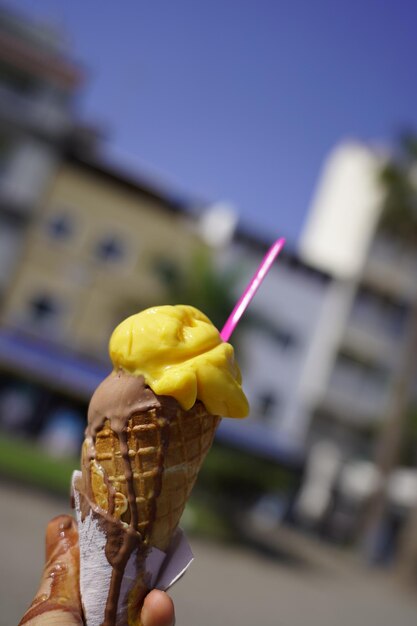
point(83, 245)
point(376, 276)
point(279, 348)
point(38, 84)
point(93, 256)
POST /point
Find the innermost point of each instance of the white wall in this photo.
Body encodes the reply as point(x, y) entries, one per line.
point(24, 179)
point(345, 208)
point(292, 300)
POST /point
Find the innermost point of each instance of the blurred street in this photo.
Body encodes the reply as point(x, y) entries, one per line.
point(306, 584)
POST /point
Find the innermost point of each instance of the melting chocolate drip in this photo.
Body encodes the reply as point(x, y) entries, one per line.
point(119, 398)
point(131, 495)
point(119, 547)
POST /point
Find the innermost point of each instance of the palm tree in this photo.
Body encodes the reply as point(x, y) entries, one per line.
point(202, 284)
point(213, 290)
point(399, 219)
point(399, 181)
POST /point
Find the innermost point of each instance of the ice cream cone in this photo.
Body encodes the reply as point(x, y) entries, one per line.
point(165, 453)
point(150, 426)
point(138, 477)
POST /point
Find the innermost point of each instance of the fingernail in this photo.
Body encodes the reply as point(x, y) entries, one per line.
point(144, 616)
point(157, 611)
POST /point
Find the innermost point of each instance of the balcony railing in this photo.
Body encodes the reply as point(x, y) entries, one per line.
point(355, 396)
point(393, 268)
point(33, 113)
point(377, 325)
point(370, 340)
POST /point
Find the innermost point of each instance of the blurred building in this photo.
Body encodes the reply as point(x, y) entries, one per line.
point(38, 84)
point(103, 245)
point(375, 273)
point(95, 252)
point(84, 244)
point(280, 348)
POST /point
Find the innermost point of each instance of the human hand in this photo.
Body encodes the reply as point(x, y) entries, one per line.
point(58, 603)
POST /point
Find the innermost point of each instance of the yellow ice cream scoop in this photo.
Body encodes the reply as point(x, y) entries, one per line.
point(180, 353)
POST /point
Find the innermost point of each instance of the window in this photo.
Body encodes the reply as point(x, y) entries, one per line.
point(43, 308)
point(61, 226)
point(110, 249)
point(360, 380)
point(278, 332)
point(283, 338)
point(267, 403)
point(378, 312)
point(44, 314)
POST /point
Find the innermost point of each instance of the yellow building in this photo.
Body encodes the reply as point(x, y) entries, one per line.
point(94, 255)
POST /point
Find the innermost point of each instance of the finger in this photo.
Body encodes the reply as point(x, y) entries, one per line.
point(158, 609)
point(57, 602)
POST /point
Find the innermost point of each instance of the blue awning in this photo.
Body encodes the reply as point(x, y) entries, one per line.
point(50, 365)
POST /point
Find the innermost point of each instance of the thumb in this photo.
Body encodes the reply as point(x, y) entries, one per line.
point(57, 602)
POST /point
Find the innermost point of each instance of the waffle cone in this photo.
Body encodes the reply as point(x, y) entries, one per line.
point(165, 450)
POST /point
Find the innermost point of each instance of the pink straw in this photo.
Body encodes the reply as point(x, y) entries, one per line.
point(251, 289)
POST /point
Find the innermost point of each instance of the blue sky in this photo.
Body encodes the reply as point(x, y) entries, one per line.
point(241, 100)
